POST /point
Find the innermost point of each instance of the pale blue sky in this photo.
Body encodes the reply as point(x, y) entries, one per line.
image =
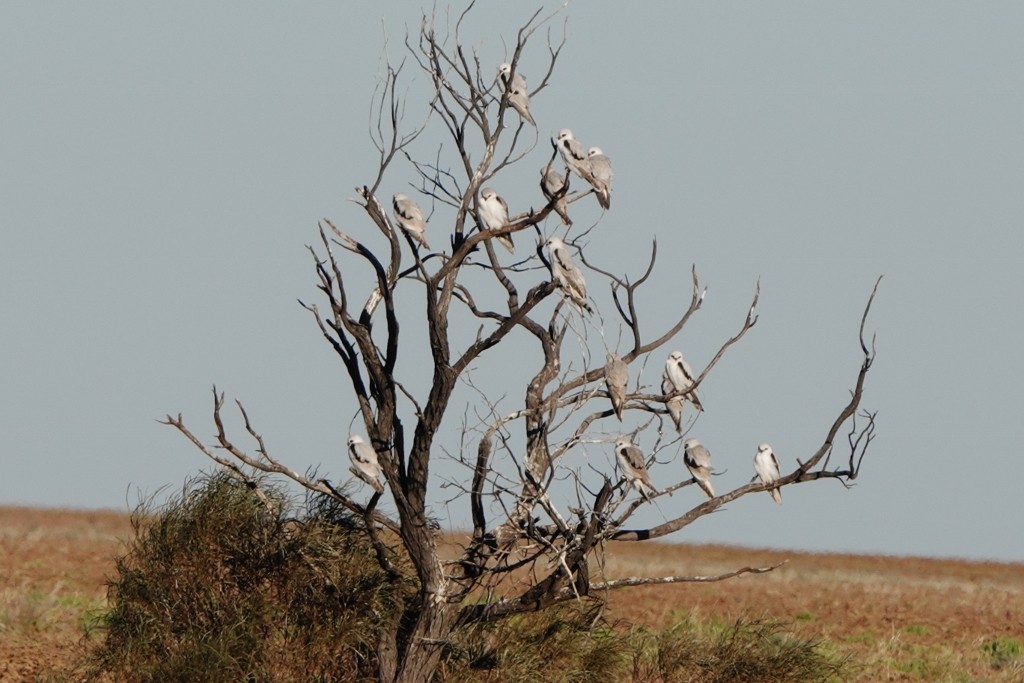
point(163, 167)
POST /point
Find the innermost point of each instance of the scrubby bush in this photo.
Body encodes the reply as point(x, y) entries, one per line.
point(565, 644)
point(224, 585)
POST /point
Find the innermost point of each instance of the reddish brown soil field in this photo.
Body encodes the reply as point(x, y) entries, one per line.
point(53, 569)
point(905, 618)
point(902, 618)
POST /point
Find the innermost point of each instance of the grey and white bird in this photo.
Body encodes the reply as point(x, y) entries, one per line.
point(365, 460)
point(601, 172)
point(678, 378)
point(518, 94)
point(698, 461)
point(573, 154)
point(566, 275)
point(551, 183)
point(494, 216)
point(616, 379)
point(632, 465)
point(675, 407)
point(766, 464)
point(410, 218)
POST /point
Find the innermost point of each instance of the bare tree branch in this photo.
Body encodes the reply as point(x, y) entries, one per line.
point(650, 581)
point(268, 464)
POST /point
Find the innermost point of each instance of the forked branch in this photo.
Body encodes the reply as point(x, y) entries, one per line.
point(265, 462)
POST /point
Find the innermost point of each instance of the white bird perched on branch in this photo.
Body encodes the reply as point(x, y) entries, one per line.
point(566, 275)
point(698, 460)
point(573, 154)
point(410, 218)
point(678, 378)
point(518, 94)
point(494, 216)
point(631, 462)
point(601, 176)
point(551, 183)
point(367, 467)
point(766, 464)
point(616, 378)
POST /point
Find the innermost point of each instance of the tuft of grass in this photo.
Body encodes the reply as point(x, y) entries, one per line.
point(25, 613)
point(862, 638)
point(916, 629)
point(895, 659)
point(1005, 653)
point(566, 644)
point(756, 650)
point(921, 668)
point(37, 611)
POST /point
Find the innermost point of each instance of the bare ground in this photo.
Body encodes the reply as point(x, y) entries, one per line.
point(901, 618)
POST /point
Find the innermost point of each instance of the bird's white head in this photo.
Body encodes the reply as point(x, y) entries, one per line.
point(505, 68)
point(622, 442)
point(554, 243)
point(691, 443)
point(354, 439)
point(675, 356)
point(400, 197)
point(488, 194)
point(594, 151)
point(764, 448)
point(565, 134)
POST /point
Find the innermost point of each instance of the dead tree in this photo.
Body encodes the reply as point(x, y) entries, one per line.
point(539, 518)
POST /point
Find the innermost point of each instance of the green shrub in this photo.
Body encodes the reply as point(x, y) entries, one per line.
point(222, 585)
point(565, 644)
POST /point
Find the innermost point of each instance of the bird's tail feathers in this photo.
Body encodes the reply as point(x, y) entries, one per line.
point(418, 236)
point(506, 241)
point(563, 214)
point(362, 476)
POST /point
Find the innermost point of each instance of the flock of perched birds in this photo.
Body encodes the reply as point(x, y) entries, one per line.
point(677, 383)
point(591, 165)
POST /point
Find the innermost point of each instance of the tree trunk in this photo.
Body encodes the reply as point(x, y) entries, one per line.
point(422, 651)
